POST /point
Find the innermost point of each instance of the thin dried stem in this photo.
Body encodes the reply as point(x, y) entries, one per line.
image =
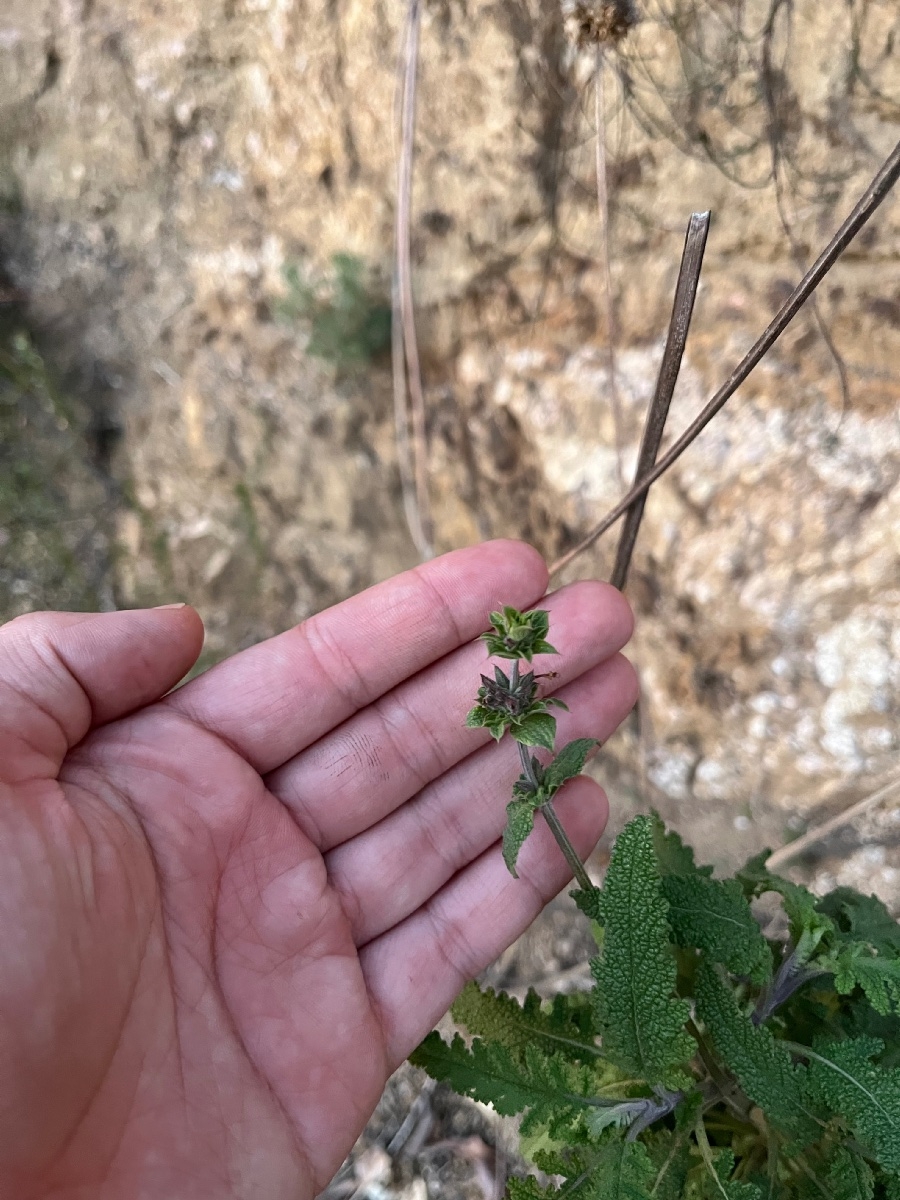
point(820, 832)
point(407, 367)
point(401, 423)
point(873, 197)
point(669, 368)
point(609, 309)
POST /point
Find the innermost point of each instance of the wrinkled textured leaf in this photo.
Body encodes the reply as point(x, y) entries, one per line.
point(862, 1093)
point(763, 1066)
point(714, 916)
point(642, 1023)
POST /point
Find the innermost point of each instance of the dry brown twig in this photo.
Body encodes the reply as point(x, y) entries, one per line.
point(606, 256)
point(820, 832)
point(669, 369)
point(863, 210)
point(413, 460)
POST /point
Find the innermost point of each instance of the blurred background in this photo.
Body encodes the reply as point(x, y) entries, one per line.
point(197, 207)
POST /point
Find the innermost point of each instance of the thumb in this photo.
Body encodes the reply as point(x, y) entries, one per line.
point(62, 674)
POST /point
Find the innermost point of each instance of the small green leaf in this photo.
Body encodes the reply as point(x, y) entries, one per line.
point(855, 966)
point(519, 823)
point(808, 926)
point(537, 729)
point(478, 717)
point(861, 918)
point(542, 647)
point(567, 764)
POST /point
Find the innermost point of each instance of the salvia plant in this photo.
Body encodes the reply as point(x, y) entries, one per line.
point(710, 1060)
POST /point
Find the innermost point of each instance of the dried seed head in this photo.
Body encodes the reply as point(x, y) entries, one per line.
point(598, 22)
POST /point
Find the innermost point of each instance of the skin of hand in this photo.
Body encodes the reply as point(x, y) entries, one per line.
point(229, 911)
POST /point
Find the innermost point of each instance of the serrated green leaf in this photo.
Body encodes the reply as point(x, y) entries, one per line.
point(563, 1027)
point(549, 1088)
point(715, 1183)
point(808, 926)
point(763, 1066)
point(864, 1094)
point(519, 824)
point(850, 1176)
point(529, 1189)
point(879, 978)
point(671, 1155)
point(642, 1023)
point(567, 764)
point(713, 915)
point(618, 1170)
point(538, 729)
point(862, 919)
point(673, 857)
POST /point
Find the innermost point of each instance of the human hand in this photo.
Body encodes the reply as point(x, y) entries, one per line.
point(228, 914)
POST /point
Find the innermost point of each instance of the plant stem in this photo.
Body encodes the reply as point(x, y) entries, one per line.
point(562, 838)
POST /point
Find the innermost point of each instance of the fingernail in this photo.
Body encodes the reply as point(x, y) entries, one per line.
point(180, 604)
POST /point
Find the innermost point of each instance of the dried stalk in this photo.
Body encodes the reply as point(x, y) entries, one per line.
point(800, 844)
point(405, 347)
point(609, 312)
point(669, 368)
point(872, 198)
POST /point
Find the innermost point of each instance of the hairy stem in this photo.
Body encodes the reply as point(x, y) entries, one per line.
point(562, 840)
point(550, 816)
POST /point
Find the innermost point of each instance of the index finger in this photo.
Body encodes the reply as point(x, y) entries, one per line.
point(273, 700)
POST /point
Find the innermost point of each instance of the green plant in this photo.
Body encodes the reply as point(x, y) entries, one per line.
point(350, 323)
point(709, 1061)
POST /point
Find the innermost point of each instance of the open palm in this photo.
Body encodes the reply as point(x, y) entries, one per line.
point(226, 915)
